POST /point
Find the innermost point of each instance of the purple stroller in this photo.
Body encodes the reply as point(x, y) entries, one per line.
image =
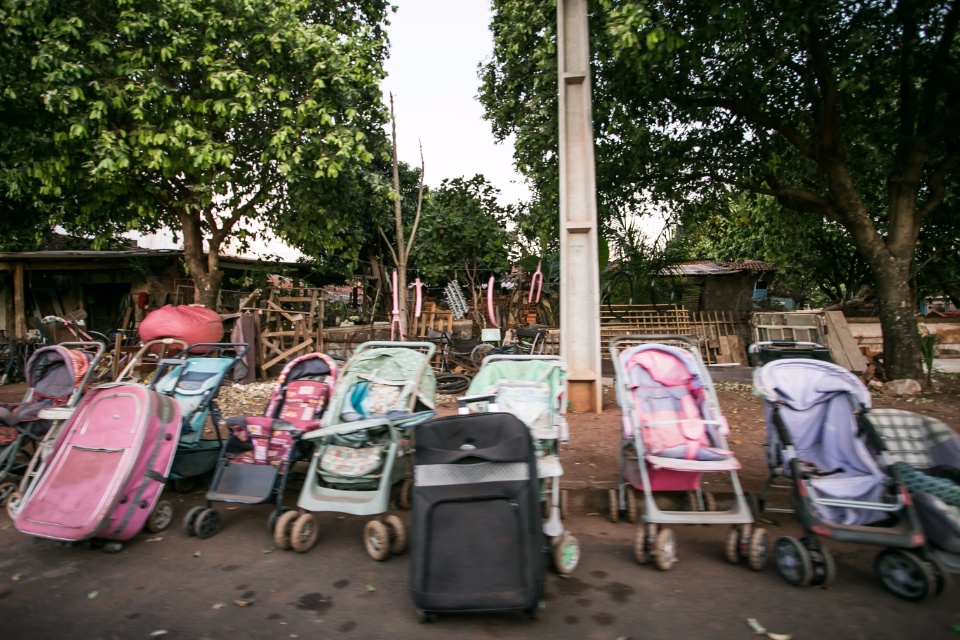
point(820, 441)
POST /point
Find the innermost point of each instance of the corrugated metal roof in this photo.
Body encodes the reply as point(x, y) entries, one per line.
point(750, 265)
point(701, 268)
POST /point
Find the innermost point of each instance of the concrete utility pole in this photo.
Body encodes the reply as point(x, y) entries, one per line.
point(579, 259)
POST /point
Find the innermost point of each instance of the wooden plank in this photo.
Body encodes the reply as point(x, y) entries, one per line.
point(307, 344)
point(723, 355)
point(840, 334)
point(19, 308)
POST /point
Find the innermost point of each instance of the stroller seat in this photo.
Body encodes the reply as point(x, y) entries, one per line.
point(304, 401)
point(668, 403)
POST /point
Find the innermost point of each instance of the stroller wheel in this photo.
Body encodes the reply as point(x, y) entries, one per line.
point(161, 517)
point(944, 582)
point(824, 569)
point(731, 550)
point(283, 529)
point(13, 504)
point(631, 505)
point(640, 547)
point(304, 533)
point(665, 549)
point(398, 534)
point(207, 524)
point(906, 575)
point(793, 561)
point(184, 485)
point(758, 550)
point(376, 540)
point(190, 519)
point(7, 489)
point(275, 516)
point(709, 501)
point(566, 554)
point(406, 488)
point(614, 505)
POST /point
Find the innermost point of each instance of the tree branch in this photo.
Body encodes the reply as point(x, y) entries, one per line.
point(393, 254)
point(416, 220)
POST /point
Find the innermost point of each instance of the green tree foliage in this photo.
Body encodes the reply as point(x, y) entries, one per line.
point(845, 112)
point(211, 119)
point(814, 261)
point(464, 228)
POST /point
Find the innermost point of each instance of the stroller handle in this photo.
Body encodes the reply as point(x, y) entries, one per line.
point(651, 337)
point(429, 347)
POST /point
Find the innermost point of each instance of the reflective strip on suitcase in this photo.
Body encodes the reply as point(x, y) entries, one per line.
point(432, 475)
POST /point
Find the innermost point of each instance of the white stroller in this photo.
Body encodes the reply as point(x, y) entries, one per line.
point(534, 389)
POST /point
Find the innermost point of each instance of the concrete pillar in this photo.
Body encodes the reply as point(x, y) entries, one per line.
point(579, 259)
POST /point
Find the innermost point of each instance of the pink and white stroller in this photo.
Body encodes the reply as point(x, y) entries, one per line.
point(674, 433)
point(57, 376)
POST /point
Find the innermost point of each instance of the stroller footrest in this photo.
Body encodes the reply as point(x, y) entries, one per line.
point(681, 464)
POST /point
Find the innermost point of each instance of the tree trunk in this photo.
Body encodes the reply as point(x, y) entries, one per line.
point(204, 270)
point(898, 319)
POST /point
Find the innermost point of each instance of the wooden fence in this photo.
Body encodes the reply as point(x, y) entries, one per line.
point(721, 335)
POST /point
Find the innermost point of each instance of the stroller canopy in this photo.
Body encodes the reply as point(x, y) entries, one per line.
point(801, 383)
point(55, 371)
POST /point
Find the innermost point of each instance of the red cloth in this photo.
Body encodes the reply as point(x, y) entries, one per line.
point(190, 323)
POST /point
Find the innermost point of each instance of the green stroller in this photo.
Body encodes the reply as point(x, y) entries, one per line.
point(362, 448)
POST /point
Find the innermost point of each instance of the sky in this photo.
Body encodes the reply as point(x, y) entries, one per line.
point(435, 47)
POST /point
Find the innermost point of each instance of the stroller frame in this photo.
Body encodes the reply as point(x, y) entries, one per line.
point(808, 561)
point(264, 483)
point(191, 445)
point(745, 539)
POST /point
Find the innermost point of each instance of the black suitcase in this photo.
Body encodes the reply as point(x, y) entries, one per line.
point(477, 539)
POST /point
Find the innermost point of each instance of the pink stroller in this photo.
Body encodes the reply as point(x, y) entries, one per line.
point(673, 433)
point(57, 376)
point(106, 470)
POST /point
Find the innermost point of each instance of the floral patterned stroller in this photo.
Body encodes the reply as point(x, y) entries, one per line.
point(57, 376)
point(257, 457)
point(361, 449)
point(534, 389)
point(673, 433)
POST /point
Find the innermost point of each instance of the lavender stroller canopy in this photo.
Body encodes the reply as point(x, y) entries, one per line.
point(816, 402)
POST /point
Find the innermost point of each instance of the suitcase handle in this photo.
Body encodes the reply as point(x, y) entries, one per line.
point(502, 452)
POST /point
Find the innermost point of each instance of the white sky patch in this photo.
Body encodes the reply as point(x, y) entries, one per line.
point(435, 48)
